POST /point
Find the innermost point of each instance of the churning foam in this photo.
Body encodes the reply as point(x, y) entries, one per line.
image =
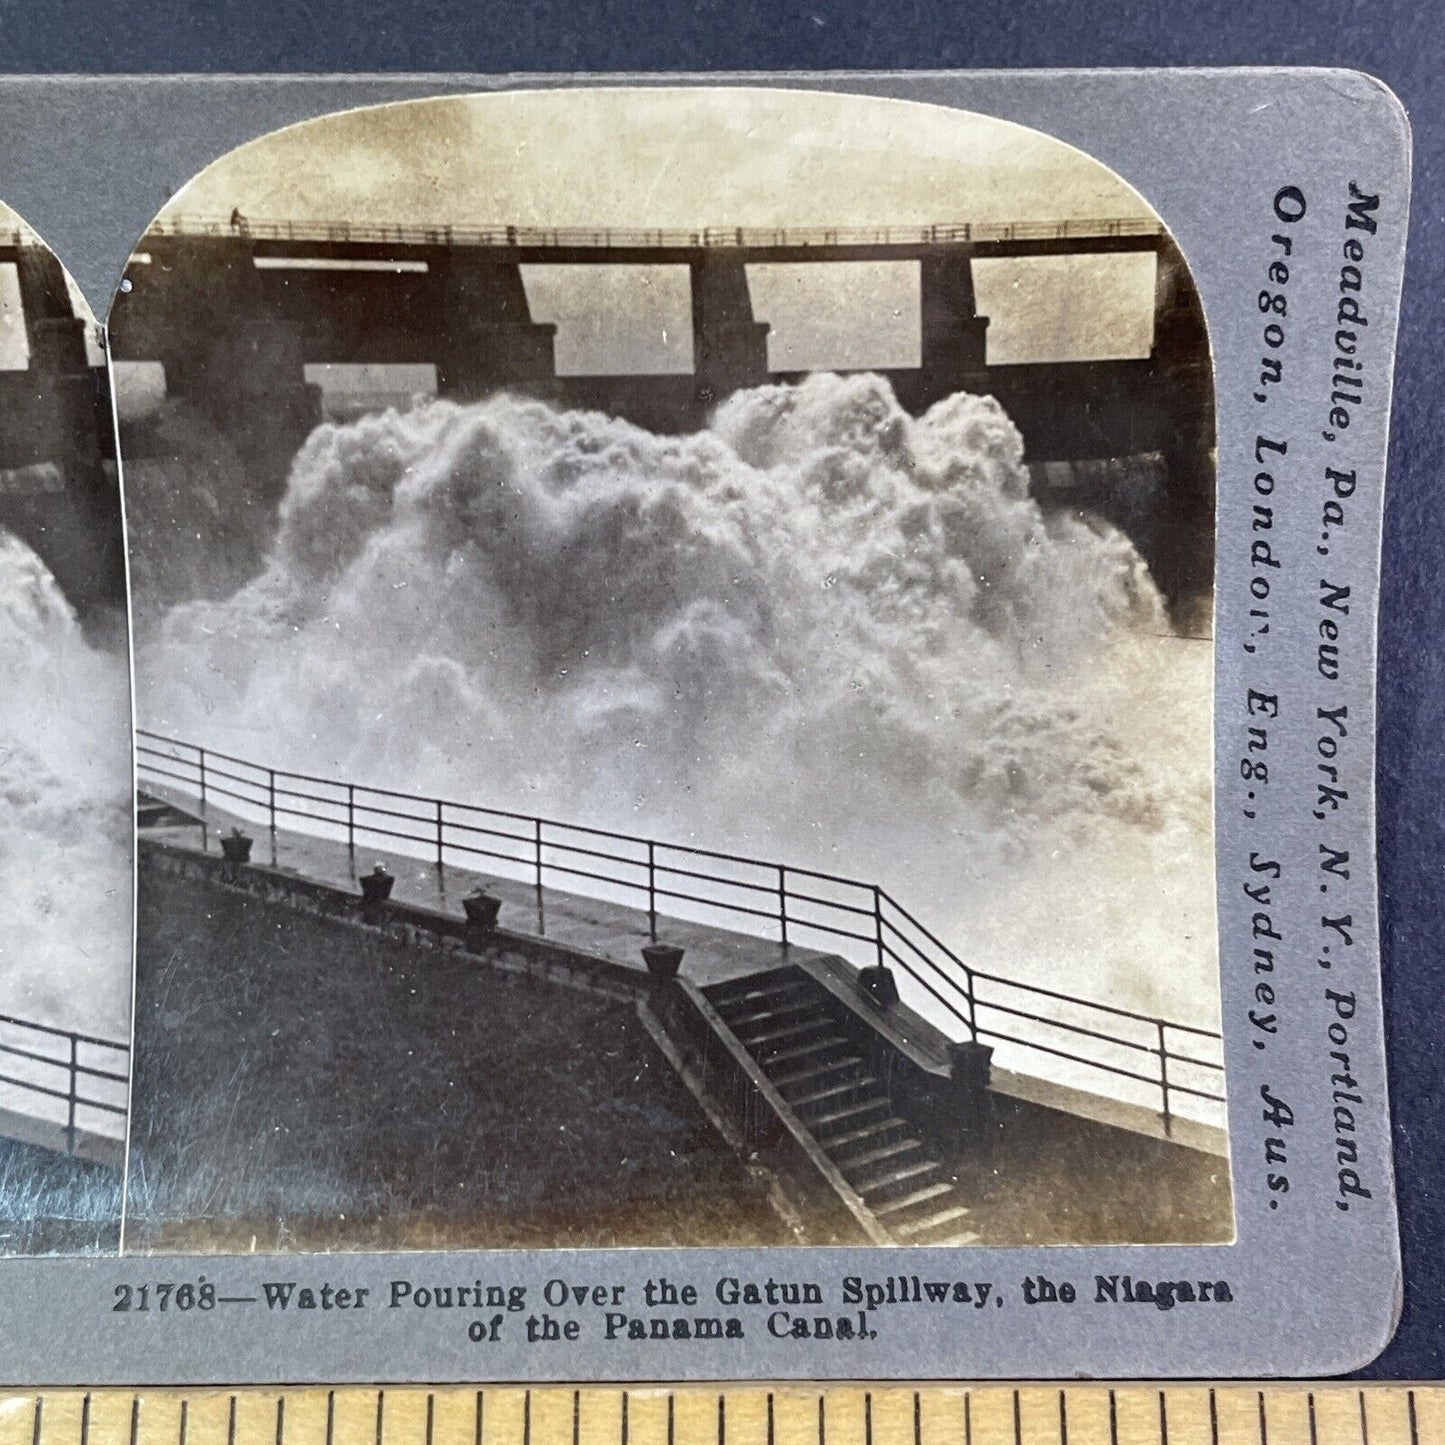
point(819, 630)
point(65, 811)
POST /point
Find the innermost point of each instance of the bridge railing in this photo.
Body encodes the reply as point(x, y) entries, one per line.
point(78, 1081)
point(1084, 1041)
point(19, 234)
point(670, 238)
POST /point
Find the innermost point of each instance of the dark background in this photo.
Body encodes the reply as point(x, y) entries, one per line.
point(1401, 42)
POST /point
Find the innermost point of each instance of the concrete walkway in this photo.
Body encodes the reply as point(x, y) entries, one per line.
point(603, 929)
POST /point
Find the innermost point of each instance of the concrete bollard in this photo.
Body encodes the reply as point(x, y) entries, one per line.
point(971, 1066)
point(878, 985)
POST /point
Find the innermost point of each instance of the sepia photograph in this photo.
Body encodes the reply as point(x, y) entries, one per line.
point(673, 642)
point(65, 768)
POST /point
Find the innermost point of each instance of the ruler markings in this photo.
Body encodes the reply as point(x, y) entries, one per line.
point(158, 1421)
point(309, 1416)
point(600, 1417)
point(1078, 1414)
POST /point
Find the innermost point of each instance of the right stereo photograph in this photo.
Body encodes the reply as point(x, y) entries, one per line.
point(673, 639)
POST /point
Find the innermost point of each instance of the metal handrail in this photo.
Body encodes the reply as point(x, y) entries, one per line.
point(863, 913)
point(661, 237)
point(76, 1071)
point(19, 234)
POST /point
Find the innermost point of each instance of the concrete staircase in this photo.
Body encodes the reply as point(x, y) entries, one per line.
point(153, 812)
point(795, 1031)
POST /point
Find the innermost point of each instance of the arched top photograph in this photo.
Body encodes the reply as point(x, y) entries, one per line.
point(742, 556)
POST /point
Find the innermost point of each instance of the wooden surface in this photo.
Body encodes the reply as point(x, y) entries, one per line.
point(1234, 1414)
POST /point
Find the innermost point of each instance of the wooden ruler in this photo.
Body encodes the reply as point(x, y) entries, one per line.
point(1233, 1414)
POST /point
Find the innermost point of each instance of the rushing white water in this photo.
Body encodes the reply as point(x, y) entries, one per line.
point(820, 630)
point(65, 813)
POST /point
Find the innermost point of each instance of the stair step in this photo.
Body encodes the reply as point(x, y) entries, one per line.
point(925, 1224)
point(951, 1241)
point(883, 1152)
point(779, 988)
point(788, 1031)
point(847, 1112)
point(910, 1201)
point(747, 1023)
point(861, 1134)
point(817, 1069)
point(898, 1176)
point(794, 1052)
point(728, 995)
point(834, 1091)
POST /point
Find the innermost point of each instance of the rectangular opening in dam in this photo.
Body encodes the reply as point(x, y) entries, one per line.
point(839, 315)
point(140, 388)
point(349, 389)
point(1067, 308)
point(14, 344)
point(338, 263)
point(620, 320)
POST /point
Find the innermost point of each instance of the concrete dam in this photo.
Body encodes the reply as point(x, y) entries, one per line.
point(58, 488)
point(235, 311)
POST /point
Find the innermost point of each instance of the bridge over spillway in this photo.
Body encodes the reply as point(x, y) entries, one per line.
point(236, 310)
point(58, 489)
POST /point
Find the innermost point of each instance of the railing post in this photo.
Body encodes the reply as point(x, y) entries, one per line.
point(71, 1101)
point(1164, 1079)
point(351, 820)
point(201, 761)
point(783, 902)
point(652, 889)
point(271, 798)
point(878, 921)
point(972, 1004)
point(440, 865)
point(537, 846)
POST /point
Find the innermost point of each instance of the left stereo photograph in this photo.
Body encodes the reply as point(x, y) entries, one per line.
point(66, 835)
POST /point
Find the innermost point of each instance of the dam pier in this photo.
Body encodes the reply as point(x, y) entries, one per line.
point(58, 487)
point(235, 311)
